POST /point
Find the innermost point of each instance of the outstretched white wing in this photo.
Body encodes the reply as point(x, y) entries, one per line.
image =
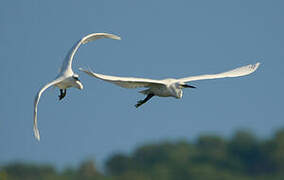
point(37, 97)
point(126, 82)
point(67, 63)
point(241, 71)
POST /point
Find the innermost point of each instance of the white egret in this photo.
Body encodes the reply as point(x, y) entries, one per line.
point(66, 77)
point(167, 87)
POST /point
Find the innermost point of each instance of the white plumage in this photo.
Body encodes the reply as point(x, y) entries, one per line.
point(66, 77)
point(168, 87)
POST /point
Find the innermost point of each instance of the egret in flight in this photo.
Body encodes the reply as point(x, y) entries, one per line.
point(66, 77)
point(167, 87)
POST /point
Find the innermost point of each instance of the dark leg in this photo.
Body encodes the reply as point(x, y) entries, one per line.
point(148, 97)
point(62, 94)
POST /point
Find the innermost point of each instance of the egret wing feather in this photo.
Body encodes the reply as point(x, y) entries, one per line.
point(241, 71)
point(125, 82)
point(36, 101)
point(67, 63)
point(95, 36)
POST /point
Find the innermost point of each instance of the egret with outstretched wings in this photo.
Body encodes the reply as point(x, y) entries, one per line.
point(66, 77)
point(168, 87)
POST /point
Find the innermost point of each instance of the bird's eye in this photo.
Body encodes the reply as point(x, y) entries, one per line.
point(76, 78)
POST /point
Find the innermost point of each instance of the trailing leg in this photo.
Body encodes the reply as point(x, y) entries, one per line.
point(62, 94)
point(148, 97)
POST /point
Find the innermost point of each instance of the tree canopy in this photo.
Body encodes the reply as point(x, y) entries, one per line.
point(210, 157)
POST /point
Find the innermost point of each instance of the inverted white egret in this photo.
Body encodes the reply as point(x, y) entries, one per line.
point(66, 77)
point(168, 87)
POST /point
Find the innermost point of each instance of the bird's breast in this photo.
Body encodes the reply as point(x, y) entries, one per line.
point(66, 83)
point(162, 91)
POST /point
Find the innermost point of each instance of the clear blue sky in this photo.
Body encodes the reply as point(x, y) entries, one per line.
point(160, 39)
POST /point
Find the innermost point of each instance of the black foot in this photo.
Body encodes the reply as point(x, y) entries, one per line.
point(148, 97)
point(62, 94)
point(139, 103)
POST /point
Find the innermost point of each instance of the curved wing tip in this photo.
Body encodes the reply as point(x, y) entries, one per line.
point(37, 136)
point(115, 37)
point(112, 36)
point(83, 70)
point(255, 66)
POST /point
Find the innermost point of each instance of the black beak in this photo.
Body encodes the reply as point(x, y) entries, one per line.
point(76, 78)
point(187, 86)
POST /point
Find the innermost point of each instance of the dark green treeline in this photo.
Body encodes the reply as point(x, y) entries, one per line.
point(242, 157)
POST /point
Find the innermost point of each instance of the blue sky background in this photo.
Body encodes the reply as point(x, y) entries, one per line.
point(160, 39)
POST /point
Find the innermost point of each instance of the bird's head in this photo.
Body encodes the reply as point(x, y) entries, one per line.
point(177, 89)
point(78, 83)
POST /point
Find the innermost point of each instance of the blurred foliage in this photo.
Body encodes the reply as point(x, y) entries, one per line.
point(242, 157)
